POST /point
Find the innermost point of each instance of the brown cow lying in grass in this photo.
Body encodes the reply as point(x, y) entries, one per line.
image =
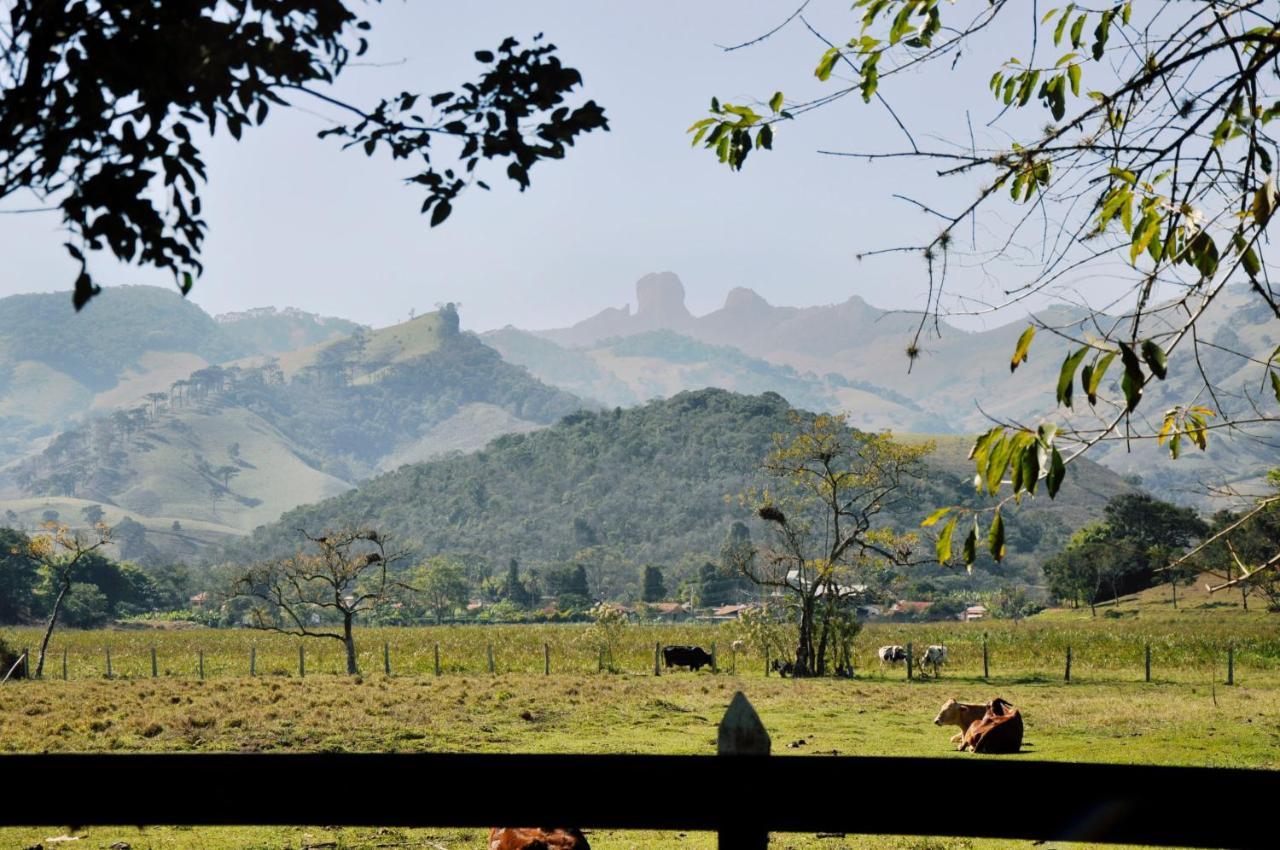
point(962, 714)
point(519, 838)
point(995, 727)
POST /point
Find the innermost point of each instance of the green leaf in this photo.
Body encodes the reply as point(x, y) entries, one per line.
point(1057, 472)
point(1001, 454)
point(1094, 380)
point(1020, 351)
point(935, 516)
point(1275, 382)
point(1066, 378)
point(1133, 378)
point(1252, 267)
point(971, 544)
point(440, 212)
point(995, 537)
point(1073, 73)
point(1156, 359)
point(942, 548)
point(1031, 467)
point(775, 102)
point(827, 64)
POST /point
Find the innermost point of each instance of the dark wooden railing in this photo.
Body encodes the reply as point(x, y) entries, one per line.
point(743, 797)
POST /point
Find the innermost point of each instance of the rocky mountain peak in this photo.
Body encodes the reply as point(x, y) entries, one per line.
point(660, 298)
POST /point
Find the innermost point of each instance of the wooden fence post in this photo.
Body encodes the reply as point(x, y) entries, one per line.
point(26, 663)
point(733, 660)
point(910, 661)
point(386, 658)
point(253, 659)
point(1148, 659)
point(546, 659)
point(741, 734)
point(600, 665)
point(490, 649)
point(437, 659)
point(200, 662)
point(302, 661)
point(657, 648)
point(155, 668)
point(986, 666)
point(766, 662)
point(1067, 676)
point(1231, 665)
point(108, 662)
point(64, 664)
point(715, 668)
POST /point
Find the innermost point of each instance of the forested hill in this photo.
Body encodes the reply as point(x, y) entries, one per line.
point(647, 484)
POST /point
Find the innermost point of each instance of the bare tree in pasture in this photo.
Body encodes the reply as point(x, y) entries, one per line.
point(60, 551)
point(345, 574)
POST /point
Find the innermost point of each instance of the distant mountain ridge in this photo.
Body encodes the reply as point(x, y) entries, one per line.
point(959, 381)
point(57, 366)
point(233, 447)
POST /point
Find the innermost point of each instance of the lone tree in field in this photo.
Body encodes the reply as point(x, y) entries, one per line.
point(113, 146)
point(829, 484)
point(1128, 141)
point(346, 573)
point(59, 551)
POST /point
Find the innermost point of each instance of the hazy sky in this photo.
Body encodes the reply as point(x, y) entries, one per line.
point(294, 221)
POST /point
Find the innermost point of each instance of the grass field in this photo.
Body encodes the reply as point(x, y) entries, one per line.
point(1107, 713)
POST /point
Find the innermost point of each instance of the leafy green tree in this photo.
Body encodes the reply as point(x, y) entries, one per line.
point(86, 606)
point(828, 486)
point(442, 584)
point(117, 151)
point(19, 576)
point(513, 589)
point(654, 587)
point(1131, 140)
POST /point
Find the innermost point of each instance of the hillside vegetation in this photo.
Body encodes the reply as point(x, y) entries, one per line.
point(56, 366)
point(237, 446)
point(648, 484)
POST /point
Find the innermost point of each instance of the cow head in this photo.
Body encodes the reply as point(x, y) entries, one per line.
point(949, 714)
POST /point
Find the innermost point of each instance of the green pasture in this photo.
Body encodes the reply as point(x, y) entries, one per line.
point(1183, 648)
point(1187, 715)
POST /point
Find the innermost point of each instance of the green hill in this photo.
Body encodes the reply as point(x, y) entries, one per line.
point(57, 366)
point(237, 446)
point(643, 485)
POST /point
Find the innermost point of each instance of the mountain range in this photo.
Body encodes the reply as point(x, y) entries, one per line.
point(200, 429)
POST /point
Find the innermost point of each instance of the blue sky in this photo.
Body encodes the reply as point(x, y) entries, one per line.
point(294, 221)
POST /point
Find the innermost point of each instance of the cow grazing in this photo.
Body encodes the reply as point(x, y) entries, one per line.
point(785, 669)
point(540, 838)
point(935, 656)
point(693, 657)
point(962, 714)
point(891, 655)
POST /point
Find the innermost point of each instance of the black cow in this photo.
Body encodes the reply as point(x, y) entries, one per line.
point(785, 669)
point(693, 657)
